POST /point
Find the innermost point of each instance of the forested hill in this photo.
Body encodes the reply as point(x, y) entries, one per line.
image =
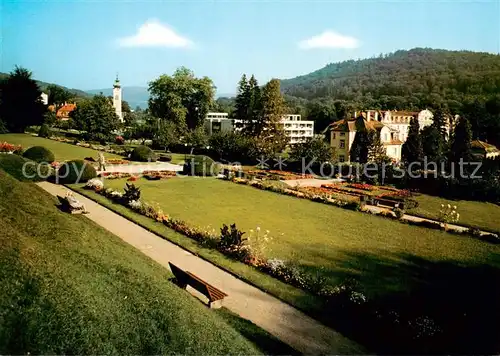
point(43, 86)
point(416, 78)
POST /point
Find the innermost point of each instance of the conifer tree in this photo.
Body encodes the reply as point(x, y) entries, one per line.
point(254, 106)
point(242, 102)
point(412, 150)
point(361, 145)
point(460, 147)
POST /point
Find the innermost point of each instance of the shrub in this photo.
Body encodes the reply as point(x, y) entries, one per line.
point(399, 212)
point(230, 237)
point(76, 171)
point(143, 154)
point(201, 166)
point(44, 131)
point(33, 172)
point(132, 193)
point(163, 157)
point(39, 154)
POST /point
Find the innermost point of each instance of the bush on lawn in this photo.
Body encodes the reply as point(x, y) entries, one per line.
point(33, 172)
point(76, 171)
point(143, 154)
point(201, 166)
point(44, 131)
point(163, 157)
point(39, 154)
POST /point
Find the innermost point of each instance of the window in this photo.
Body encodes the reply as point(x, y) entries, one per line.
point(341, 158)
point(342, 134)
point(333, 135)
point(386, 138)
point(342, 144)
point(116, 97)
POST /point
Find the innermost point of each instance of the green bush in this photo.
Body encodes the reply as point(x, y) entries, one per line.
point(399, 212)
point(163, 157)
point(77, 171)
point(44, 131)
point(32, 172)
point(143, 154)
point(201, 166)
point(39, 154)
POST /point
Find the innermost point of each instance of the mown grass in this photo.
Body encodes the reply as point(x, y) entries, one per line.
point(315, 237)
point(472, 213)
point(62, 151)
point(71, 287)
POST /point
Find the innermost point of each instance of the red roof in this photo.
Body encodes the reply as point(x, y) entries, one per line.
point(64, 110)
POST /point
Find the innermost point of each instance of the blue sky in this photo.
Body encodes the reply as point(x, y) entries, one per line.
point(82, 44)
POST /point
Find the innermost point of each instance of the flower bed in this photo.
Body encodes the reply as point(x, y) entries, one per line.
point(367, 187)
point(6, 147)
point(117, 161)
point(116, 175)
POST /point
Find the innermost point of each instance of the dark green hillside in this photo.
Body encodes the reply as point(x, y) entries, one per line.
point(416, 78)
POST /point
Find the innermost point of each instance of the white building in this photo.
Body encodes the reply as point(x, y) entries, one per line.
point(296, 129)
point(117, 99)
point(218, 122)
point(44, 98)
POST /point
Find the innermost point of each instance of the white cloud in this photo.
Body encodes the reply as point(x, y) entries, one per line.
point(154, 34)
point(330, 39)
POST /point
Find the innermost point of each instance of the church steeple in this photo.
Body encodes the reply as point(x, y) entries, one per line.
point(117, 98)
point(117, 82)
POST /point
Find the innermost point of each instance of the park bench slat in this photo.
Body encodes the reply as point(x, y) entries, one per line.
point(186, 278)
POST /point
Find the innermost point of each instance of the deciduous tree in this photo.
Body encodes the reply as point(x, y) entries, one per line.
point(412, 150)
point(96, 116)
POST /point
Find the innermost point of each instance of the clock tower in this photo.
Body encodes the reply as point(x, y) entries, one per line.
point(117, 99)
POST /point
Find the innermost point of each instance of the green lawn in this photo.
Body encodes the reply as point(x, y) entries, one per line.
point(320, 239)
point(62, 151)
point(71, 287)
point(474, 213)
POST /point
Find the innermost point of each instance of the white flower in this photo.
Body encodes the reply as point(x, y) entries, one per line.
point(267, 231)
point(442, 205)
point(258, 229)
point(458, 216)
point(455, 207)
point(449, 206)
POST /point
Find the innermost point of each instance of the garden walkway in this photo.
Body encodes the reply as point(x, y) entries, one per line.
point(288, 324)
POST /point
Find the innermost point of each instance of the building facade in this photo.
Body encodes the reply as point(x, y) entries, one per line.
point(392, 127)
point(117, 99)
point(218, 122)
point(296, 129)
point(44, 98)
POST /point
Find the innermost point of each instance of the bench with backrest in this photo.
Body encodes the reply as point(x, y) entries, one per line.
point(69, 207)
point(185, 278)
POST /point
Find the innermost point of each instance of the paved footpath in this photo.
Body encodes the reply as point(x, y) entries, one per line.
point(288, 324)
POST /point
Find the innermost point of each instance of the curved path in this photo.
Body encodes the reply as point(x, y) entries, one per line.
point(291, 326)
point(139, 168)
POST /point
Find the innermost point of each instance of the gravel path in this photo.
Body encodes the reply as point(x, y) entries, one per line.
point(288, 324)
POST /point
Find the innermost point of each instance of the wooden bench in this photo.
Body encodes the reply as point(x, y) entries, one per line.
point(67, 206)
point(185, 278)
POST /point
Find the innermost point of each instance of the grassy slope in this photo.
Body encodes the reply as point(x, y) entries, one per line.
point(481, 214)
point(62, 151)
point(70, 287)
point(320, 239)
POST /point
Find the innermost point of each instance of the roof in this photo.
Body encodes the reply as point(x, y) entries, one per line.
point(480, 145)
point(343, 126)
point(393, 142)
point(65, 110)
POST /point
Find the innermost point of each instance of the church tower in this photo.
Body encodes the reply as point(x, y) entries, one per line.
point(117, 98)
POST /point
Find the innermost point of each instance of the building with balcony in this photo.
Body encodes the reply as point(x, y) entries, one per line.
point(296, 129)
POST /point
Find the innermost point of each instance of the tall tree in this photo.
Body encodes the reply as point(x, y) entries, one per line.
point(242, 102)
point(321, 113)
point(412, 150)
point(21, 105)
point(361, 145)
point(181, 98)
point(461, 142)
point(376, 150)
point(255, 105)
point(95, 116)
point(57, 95)
point(271, 137)
point(432, 144)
